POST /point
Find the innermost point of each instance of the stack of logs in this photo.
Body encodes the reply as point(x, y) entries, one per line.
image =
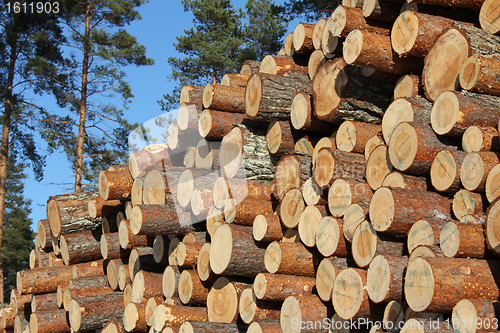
point(353, 177)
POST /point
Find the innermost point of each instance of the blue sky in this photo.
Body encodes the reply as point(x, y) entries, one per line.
point(162, 21)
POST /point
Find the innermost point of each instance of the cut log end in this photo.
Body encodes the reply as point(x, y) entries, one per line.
point(299, 111)
point(208, 93)
point(443, 171)
point(472, 171)
point(492, 227)
point(221, 249)
point(469, 73)
point(419, 285)
point(364, 244)
point(488, 16)
point(103, 186)
point(403, 146)
point(445, 112)
point(75, 315)
point(404, 32)
point(352, 46)
point(378, 279)
point(253, 95)
point(382, 209)
point(272, 258)
point(347, 293)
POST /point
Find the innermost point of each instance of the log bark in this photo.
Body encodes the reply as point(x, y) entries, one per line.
point(398, 179)
point(110, 247)
point(81, 247)
point(68, 213)
point(472, 279)
point(43, 280)
point(291, 259)
point(478, 74)
point(44, 302)
point(54, 321)
point(90, 268)
point(269, 97)
point(87, 313)
point(366, 48)
point(409, 109)
point(250, 67)
point(235, 80)
point(224, 98)
point(282, 65)
point(191, 95)
point(475, 169)
point(157, 220)
point(445, 170)
point(395, 210)
point(234, 252)
point(243, 154)
point(453, 112)
point(277, 287)
point(115, 185)
point(385, 278)
point(413, 147)
point(366, 244)
point(332, 164)
point(246, 211)
point(70, 294)
point(214, 125)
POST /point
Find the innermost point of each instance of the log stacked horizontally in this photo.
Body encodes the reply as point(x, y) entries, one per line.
point(341, 181)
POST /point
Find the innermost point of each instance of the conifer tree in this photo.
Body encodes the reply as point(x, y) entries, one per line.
point(310, 10)
point(94, 134)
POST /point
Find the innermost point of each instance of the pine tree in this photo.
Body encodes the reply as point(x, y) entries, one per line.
point(17, 233)
point(265, 29)
point(211, 49)
point(310, 10)
point(93, 135)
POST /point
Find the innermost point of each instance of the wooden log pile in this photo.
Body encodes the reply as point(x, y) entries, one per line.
point(346, 180)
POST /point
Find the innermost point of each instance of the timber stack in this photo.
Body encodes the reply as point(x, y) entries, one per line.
point(353, 177)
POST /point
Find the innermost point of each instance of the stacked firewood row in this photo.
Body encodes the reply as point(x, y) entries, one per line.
point(345, 180)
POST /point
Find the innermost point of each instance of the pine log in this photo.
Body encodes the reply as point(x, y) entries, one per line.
point(239, 189)
point(312, 194)
point(234, 252)
point(466, 202)
point(157, 220)
point(326, 273)
point(270, 96)
point(302, 117)
point(385, 278)
point(291, 171)
point(332, 164)
point(277, 287)
point(187, 182)
point(134, 318)
point(44, 234)
point(90, 268)
point(378, 166)
point(243, 153)
point(316, 60)
point(44, 302)
point(112, 272)
point(428, 286)
point(109, 224)
point(279, 138)
point(453, 112)
point(330, 240)
point(187, 254)
point(366, 244)
point(87, 313)
point(187, 116)
point(222, 300)
point(475, 169)
point(344, 192)
point(366, 48)
point(141, 258)
point(224, 98)
point(414, 33)
point(251, 309)
point(208, 327)
point(425, 231)
point(408, 86)
point(445, 170)
point(154, 157)
point(449, 51)
point(129, 240)
point(191, 95)
point(347, 19)
point(284, 66)
point(327, 141)
point(291, 208)
point(245, 211)
point(159, 186)
point(137, 189)
point(350, 294)
point(297, 310)
point(214, 216)
point(480, 139)
point(203, 265)
point(115, 185)
point(341, 92)
point(250, 67)
point(191, 289)
point(20, 302)
point(146, 285)
point(309, 222)
point(95, 281)
point(267, 228)
point(413, 147)
point(271, 326)
point(70, 294)
point(68, 213)
point(492, 222)
point(179, 141)
point(478, 74)
point(214, 125)
point(395, 210)
point(302, 39)
point(291, 258)
point(81, 247)
point(373, 143)
point(409, 109)
point(475, 315)
point(354, 215)
point(110, 247)
point(235, 80)
point(170, 281)
point(114, 326)
point(398, 179)
point(54, 321)
point(352, 136)
point(304, 145)
point(463, 240)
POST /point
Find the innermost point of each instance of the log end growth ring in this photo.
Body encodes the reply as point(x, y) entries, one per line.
point(404, 32)
point(352, 46)
point(419, 285)
point(253, 95)
point(403, 146)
